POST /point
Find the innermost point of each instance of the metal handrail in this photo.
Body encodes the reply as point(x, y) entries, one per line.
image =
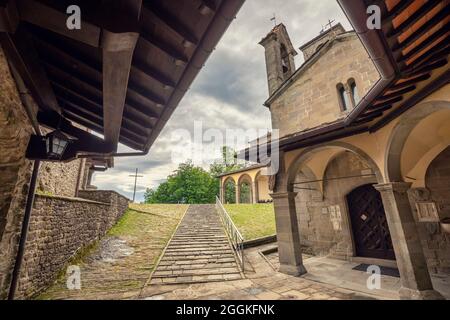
point(236, 239)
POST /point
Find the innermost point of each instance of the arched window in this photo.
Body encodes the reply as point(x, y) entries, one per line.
point(353, 91)
point(230, 191)
point(344, 102)
point(284, 59)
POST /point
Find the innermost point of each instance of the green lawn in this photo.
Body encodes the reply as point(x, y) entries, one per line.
point(253, 220)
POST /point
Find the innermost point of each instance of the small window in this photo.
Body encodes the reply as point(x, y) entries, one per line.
point(284, 59)
point(343, 97)
point(353, 91)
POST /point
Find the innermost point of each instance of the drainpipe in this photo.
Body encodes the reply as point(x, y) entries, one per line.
point(24, 231)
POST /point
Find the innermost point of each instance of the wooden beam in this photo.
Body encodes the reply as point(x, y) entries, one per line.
point(398, 9)
point(207, 7)
point(97, 113)
point(64, 57)
point(424, 44)
point(385, 103)
point(156, 13)
point(426, 27)
point(416, 16)
point(164, 47)
point(93, 102)
point(20, 50)
point(51, 19)
point(9, 17)
point(410, 82)
point(398, 93)
point(438, 83)
point(86, 142)
point(425, 68)
point(118, 49)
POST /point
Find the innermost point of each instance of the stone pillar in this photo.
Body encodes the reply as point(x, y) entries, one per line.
point(289, 249)
point(221, 193)
point(415, 278)
point(237, 191)
point(255, 191)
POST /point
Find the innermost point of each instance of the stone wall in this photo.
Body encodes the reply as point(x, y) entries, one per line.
point(436, 244)
point(60, 178)
point(323, 218)
point(312, 99)
point(309, 49)
point(59, 227)
point(15, 170)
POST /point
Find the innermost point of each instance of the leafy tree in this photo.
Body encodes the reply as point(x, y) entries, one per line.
point(194, 185)
point(188, 184)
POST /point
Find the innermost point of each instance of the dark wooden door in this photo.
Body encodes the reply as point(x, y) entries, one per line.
point(369, 225)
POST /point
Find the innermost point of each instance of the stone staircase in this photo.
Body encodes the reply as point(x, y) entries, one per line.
point(198, 252)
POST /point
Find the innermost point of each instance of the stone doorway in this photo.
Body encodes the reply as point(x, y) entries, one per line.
point(371, 234)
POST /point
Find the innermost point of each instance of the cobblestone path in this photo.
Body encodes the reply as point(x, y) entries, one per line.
point(198, 252)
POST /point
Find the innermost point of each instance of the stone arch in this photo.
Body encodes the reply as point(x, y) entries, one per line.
point(245, 178)
point(307, 153)
point(401, 132)
point(229, 180)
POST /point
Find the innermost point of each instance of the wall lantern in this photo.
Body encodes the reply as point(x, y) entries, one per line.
point(56, 143)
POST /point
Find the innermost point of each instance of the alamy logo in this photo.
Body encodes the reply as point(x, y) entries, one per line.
point(374, 280)
point(74, 20)
point(374, 20)
point(73, 281)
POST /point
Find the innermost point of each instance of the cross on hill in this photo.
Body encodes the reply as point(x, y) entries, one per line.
point(135, 181)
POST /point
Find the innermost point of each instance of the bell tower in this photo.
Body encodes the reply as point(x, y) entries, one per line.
point(279, 57)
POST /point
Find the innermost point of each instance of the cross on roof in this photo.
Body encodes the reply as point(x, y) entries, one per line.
point(274, 19)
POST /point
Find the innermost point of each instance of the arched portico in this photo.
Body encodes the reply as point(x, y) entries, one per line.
point(420, 135)
point(228, 190)
point(245, 189)
point(416, 281)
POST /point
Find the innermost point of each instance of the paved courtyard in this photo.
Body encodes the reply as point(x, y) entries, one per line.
point(125, 265)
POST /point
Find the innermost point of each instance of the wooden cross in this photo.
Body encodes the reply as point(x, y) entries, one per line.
point(135, 181)
point(330, 23)
point(274, 19)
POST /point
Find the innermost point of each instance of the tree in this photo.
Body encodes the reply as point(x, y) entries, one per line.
point(188, 184)
point(194, 185)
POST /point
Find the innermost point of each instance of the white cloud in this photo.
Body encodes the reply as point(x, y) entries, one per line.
point(230, 90)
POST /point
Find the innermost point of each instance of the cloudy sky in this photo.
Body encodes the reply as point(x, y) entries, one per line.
point(229, 91)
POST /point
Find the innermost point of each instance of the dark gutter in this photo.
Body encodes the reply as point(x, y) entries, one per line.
point(24, 231)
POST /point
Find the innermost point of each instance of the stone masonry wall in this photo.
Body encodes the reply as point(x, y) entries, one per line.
point(323, 219)
point(311, 48)
point(15, 170)
point(59, 227)
point(436, 243)
point(60, 178)
point(312, 99)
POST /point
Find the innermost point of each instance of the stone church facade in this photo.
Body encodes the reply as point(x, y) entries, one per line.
point(378, 197)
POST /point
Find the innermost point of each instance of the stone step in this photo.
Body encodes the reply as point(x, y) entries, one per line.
point(198, 252)
point(196, 279)
point(165, 262)
point(194, 272)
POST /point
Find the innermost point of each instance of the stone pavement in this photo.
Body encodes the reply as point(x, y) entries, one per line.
point(262, 283)
point(198, 252)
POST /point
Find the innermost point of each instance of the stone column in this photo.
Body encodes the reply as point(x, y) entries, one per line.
point(221, 193)
point(236, 190)
point(254, 191)
point(289, 249)
point(415, 278)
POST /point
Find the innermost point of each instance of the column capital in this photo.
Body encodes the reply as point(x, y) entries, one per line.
point(281, 195)
point(393, 186)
